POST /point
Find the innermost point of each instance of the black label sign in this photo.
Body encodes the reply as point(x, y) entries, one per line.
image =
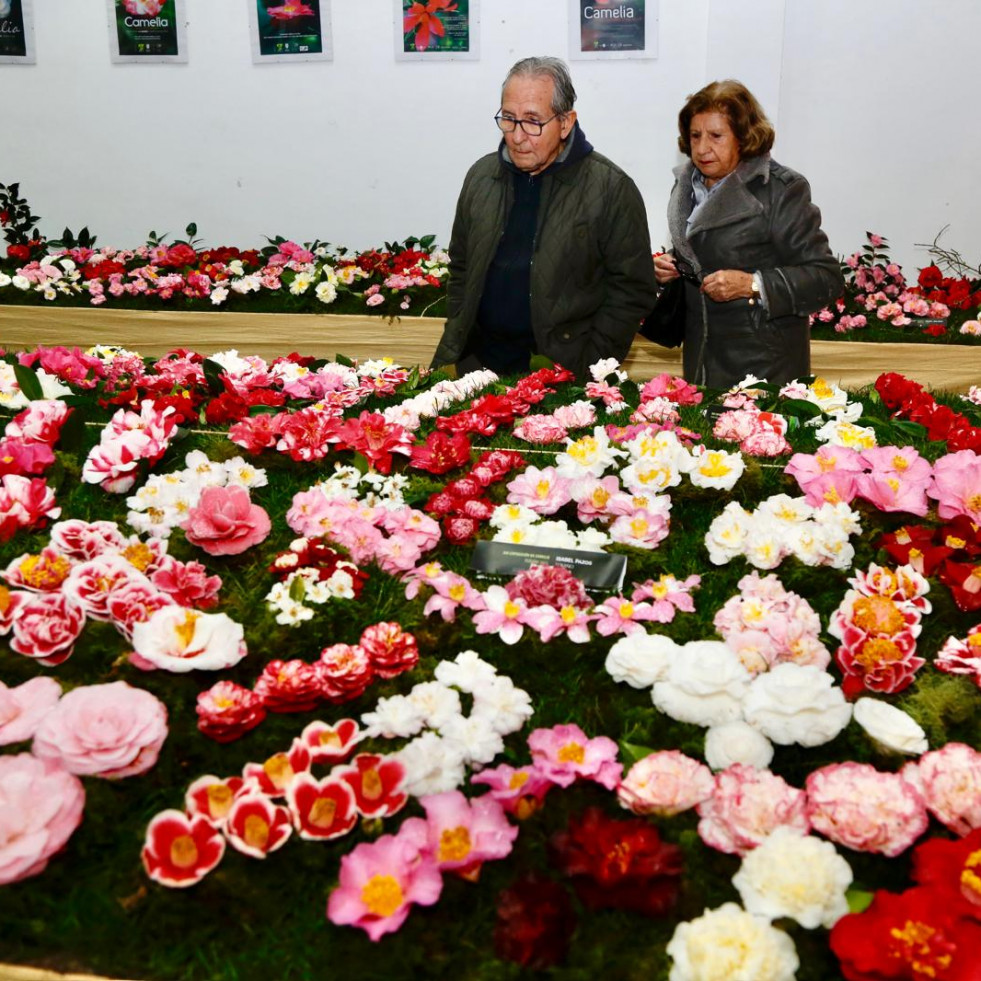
point(598, 570)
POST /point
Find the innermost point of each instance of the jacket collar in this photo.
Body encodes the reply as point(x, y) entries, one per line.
point(732, 202)
point(576, 147)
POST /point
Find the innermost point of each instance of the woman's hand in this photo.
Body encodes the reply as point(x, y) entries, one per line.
point(664, 268)
point(727, 284)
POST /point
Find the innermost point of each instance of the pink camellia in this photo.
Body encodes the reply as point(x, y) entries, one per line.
point(227, 711)
point(226, 522)
point(672, 387)
point(520, 791)
point(897, 479)
point(180, 851)
point(564, 753)
point(82, 540)
point(956, 485)
point(187, 583)
point(93, 582)
point(43, 572)
point(46, 626)
point(256, 826)
point(540, 429)
point(134, 602)
point(461, 834)
point(665, 783)
point(829, 475)
point(950, 780)
point(321, 809)
point(178, 639)
point(41, 805)
point(543, 491)
point(111, 730)
point(22, 708)
point(212, 797)
point(25, 502)
point(331, 744)
point(859, 807)
point(746, 805)
point(379, 882)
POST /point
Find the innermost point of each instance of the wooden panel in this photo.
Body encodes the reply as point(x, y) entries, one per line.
point(413, 341)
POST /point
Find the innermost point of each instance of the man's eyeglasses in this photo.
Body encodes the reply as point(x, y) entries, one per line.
point(532, 127)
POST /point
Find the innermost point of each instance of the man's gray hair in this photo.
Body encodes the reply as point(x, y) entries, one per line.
point(563, 94)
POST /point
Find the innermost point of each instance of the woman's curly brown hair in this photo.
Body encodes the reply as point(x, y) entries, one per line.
point(753, 131)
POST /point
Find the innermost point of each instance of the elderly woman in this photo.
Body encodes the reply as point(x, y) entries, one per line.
point(747, 240)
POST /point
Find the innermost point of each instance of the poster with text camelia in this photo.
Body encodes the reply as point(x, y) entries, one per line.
point(613, 28)
point(16, 32)
point(147, 31)
point(434, 30)
point(290, 30)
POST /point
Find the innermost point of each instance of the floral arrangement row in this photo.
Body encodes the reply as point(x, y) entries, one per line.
point(781, 692)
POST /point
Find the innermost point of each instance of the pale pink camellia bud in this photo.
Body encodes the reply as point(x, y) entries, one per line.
point(226, 522)
point(180, 851)
point(41, 805)
point(112, 730)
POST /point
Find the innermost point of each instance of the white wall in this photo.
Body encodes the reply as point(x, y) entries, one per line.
point(870, 99)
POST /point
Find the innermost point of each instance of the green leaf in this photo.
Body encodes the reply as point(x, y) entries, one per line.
point(28, 382)
point(212, 375)
point(539, 361)
point(191, 230)
point(360, 463)
point(799, 407)
point(858, 900)
point(298, 589)
point(344, 360)
point(631, 753)
point(914, 429)
point(72, 438)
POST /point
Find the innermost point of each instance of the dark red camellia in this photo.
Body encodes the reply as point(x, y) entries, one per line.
point(441, 453)
point(183, 404)
point(953, 869)
point(936, 330)
point(913, 935)
point(535, 921)
point(22, 253)
point(102, 270)
point(179, 255)
point(908, 398)
point(621, 864)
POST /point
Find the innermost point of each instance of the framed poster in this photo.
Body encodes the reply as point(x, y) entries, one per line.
point(434, 30)
point(290, 30)
point(147, 31)
point(17, 32)
point(613, 29)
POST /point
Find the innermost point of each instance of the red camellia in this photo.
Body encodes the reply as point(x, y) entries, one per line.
point(256, 826)
point(227, 711)
point(376, 782)
point(212, 797)
point(953, 869)
point(441, 453)
point(908, 936)
point(621, 864)
point(344, 671)
point(930, 277)
point(391, 649)
point(289, 686)
point(321, 809)
point(535, 921)
point(180, 850)
point(331, 744)
point(275, 775)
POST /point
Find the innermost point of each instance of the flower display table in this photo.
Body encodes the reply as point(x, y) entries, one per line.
point(413, 340)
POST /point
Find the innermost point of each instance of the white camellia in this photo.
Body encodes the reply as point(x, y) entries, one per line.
point(640, 659)
point(737, 742)
point(729, 943)
point(715, 469)
point(890, 726)
point(178, 639)
point(796, 703)
point(705, 684)
point(727, 534)
point(801, 877)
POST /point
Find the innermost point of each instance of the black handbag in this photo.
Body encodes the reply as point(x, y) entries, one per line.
point(665, 324)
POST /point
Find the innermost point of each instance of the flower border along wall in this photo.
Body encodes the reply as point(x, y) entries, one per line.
point(264, 707)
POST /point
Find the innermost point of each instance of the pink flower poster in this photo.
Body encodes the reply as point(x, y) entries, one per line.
point(147, 31)
point(290, 30)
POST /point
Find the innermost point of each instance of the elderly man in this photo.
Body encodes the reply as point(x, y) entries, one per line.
point(550, 251)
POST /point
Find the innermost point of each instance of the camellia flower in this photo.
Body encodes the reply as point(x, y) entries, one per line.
point(801, 877)
point(180, 851)
point(911, 933)
point(705, 684)
point(290, 10)
point(890, 726)
point(949, 779)
point(459, 835)
point(564, 753)
point(331, 744)
point(321, 809)
point(956, 485)
point(227, 711)
point(962, 656)
point(377, 784)
point(502, 615)
point(111, 730)
point(730, 942)
point(46, 626)
point(855, 805)
point(178, 639)
point(41, 805)
point(620, 864)
point(212, 797)
point(737, 742)
point(275, 774)
point(746, 805)
point(22, 708)
point(715, 469)
point(520, 791)
point(535, 921)
point(226, 522)
point(256, 826)
point(953, 869)
point(665, 783)
point(640, 659)
point(379, 881)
